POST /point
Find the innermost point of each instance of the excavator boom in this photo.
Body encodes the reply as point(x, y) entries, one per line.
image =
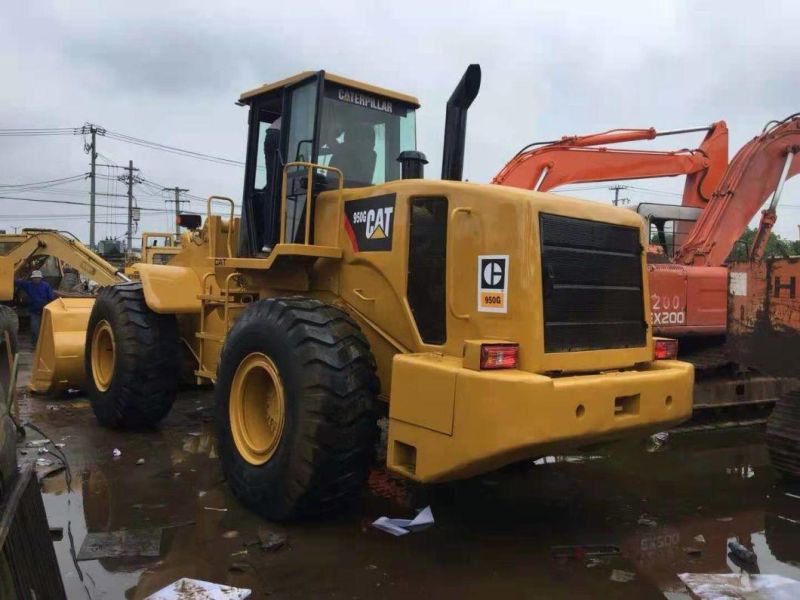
point(585, 159)
point(759, 168)
point(43, 242)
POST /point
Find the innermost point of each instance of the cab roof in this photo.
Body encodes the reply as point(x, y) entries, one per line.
point(366, 87)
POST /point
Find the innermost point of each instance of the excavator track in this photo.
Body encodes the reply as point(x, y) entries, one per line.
point(783, 435)
point(728, 395)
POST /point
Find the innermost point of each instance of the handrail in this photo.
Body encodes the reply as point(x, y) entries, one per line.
point(450, 284)
point(311, 167)
point(230, 219)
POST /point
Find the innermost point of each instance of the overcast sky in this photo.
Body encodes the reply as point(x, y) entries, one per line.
point(171, 71)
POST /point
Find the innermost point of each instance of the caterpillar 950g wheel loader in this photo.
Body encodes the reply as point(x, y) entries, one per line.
point(491, 324)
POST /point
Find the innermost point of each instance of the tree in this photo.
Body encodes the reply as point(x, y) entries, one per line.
point(776, 246)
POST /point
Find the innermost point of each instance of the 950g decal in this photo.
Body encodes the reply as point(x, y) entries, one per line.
point(493, 283)
point(369, 223)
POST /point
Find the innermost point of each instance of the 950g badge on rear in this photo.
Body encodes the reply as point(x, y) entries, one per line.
point(493, 283)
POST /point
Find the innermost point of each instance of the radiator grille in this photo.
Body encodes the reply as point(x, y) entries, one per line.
point(592, 285)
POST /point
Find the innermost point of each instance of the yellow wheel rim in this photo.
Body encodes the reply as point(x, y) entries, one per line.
point(256, 408)
point(103, 355)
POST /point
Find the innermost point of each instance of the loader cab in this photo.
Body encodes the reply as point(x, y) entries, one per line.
point(357, 129)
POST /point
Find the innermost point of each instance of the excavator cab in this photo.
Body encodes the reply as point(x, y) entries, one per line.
point(316, 118)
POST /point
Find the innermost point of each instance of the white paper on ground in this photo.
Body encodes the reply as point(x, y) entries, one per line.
point(195, 589)
point(735, 586)
point(400, 527)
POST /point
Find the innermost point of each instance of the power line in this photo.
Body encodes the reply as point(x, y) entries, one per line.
point(73, 202)
point(33, 132)
point(46, 183)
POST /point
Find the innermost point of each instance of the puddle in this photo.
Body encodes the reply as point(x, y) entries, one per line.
point(492, 535)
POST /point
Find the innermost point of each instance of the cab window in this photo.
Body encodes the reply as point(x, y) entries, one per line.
point(363, 134)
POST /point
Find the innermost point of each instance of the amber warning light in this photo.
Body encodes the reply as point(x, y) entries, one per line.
point(665, 349)
point(499, 356)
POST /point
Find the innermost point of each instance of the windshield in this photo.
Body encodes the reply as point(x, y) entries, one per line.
point(362, 135)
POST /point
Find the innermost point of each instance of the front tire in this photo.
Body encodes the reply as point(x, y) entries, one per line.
point(295, 408)
point(132, 359)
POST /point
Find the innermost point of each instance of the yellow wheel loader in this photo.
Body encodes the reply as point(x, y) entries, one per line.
point(489, 324)
point(58, 358)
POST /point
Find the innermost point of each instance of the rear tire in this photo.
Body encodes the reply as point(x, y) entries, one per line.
point(783, 435)
point(132, 359)
point(309, 442)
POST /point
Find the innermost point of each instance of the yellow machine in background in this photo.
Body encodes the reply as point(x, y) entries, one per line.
point(490, 324)
point(58, 362)
point(58, 357)
point(155, 254)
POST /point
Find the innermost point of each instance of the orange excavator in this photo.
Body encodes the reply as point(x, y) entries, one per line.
point(685, 300)
point(689, 284)
point(688, 290)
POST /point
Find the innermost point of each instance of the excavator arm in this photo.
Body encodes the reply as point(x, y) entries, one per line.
point(22, 247)
point(758, 170)
point(584, 159)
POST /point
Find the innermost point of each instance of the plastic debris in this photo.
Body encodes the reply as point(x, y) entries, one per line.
point(657, 441)
point(140, 461)
point(270, 540)
point(43, 462)
point(215, 508)
point(724, 519)
point(230, 534)
point(398, 527)
point(621, 576)
point(583, 551)
point(116, 453)
point(721, 586)
point(700, 539)
point(37, 443)
point(647, 522)
point(742, 553)
point(186, 588)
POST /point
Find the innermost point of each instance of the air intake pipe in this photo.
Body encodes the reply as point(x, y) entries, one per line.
point(455, 123)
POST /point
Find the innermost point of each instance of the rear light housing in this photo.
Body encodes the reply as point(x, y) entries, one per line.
point(499, 356)
point(665, 349)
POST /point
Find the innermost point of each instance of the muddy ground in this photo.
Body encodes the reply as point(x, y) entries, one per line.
point(669, 510)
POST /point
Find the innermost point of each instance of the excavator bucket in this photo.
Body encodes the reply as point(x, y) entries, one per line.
point(58, 361)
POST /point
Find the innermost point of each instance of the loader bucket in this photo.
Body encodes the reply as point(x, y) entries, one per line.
point(58, 361)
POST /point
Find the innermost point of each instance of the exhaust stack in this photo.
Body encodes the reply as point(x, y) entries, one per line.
point(455, 123)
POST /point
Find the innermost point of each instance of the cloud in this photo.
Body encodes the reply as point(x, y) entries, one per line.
point(171, 72)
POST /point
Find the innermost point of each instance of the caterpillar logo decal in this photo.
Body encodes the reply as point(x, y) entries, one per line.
point(369, 223)
point(493, 283)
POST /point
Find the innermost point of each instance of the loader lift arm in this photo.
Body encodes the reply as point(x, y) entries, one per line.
point(584, 159)
point(758, 170)
point(38, 242)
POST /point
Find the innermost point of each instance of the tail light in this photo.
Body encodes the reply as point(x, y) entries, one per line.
point(665, 349)
point(499, 356)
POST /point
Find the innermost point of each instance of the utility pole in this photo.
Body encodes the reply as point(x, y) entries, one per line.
point(616, 189)
point(177, 201)
point(130, 179)
point(93, 150)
